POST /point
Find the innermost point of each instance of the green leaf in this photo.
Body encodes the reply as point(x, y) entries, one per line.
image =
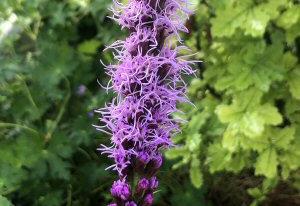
point(255, 192)
point(293, 32)
point(246, 116)
point(289, 17)
point(259, 143)
point(253, 65)
point(252, 125)
point(195, 173)
point(176, 152)
point(260, 193)
point(290, 159)
point(293, 82)
point(228, 113)
point(238, 161)
point(245, 15)
point(217, 157)
point(269, 114)
point(58, 167)
point(230, 140)
point(283, 137)
point(4, 201)
point(89, 47)
point(196, 122)
point(266, 163)
point(269, 184)
point(290, 60)
point(193, 142)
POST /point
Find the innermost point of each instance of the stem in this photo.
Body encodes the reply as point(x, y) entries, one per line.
point(60, 113)
point(27, 91)
point(69, 199)
point(33, 131)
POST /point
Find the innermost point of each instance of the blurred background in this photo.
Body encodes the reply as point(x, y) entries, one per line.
point(240, 147)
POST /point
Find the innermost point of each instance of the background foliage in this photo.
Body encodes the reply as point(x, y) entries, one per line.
point(242, 140)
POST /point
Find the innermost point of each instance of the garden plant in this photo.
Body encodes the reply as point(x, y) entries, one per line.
point(238, 138)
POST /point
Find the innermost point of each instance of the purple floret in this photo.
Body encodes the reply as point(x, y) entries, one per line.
point(148, 82)
point(120, 190)
point(153, 183)
point(81, 89)
point(148, 200)
point(131, 203)
point(142, 185)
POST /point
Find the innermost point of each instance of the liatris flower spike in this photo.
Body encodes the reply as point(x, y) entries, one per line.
point(148, 83)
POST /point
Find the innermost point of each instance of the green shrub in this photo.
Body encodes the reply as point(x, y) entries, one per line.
point(247, 99)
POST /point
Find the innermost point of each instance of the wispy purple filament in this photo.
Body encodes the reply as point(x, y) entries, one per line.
point(148, 82)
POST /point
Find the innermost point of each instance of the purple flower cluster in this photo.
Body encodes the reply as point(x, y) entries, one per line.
point(148, 82)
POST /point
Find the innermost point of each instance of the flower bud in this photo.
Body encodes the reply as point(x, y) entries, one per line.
point(157, 161)
point(142, 160)
point(143, 157)
point(120, 190)
point(153, 183)
point(131, 203)
point(143, 185)
point(148, 200)
point(81, 90)
point(154, 164)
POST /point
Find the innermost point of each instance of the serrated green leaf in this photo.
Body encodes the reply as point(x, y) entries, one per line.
point(258, 67)
point(269, 114)
point(292, 33)
point(268, 184)
point(217, 157)
point(195, 173)
point(196, 122)
point(238, 161)
point(176, 152)
point(230, 140)
point(245, 15)
point(293, 82)
point(255, 192)
point(58, 167)
point(290, 60)
point(266, 163)
point(256, 143)
point(193, 142)
point(291, 157)
point(251, 124)
point(228, 113)
point(283, 137)
point(289, 17)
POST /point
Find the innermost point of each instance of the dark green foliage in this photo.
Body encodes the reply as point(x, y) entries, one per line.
point(48, 146)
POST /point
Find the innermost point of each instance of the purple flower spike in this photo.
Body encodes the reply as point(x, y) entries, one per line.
point(112, 204)
point(120, 190)
point(147, 79)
